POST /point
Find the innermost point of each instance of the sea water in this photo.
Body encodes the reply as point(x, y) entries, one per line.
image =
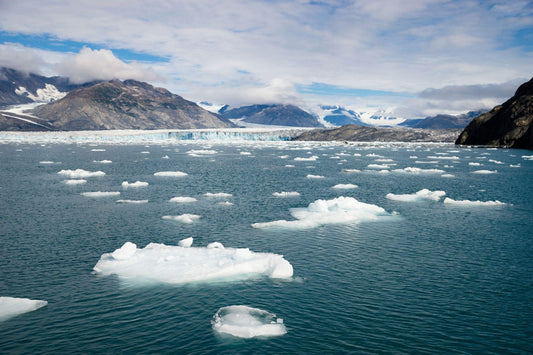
point(381, 264)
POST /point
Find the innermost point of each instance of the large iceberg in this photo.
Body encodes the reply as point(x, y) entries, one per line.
point(247, 322)
point(185, 264)
point(11, 306)
point(338, 210)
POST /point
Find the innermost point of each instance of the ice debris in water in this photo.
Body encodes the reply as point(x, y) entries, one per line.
point(217, 194)
point(170, 173)
point(182, 199)
point(97, 194)
point(338, 210)
point(75, 181)
point(345, 186)
point(418, 171)
point(11, 306)
point(135, 184)
point(468, 203)
point(247, 322)
point(284, 194)
point(311, 176)
point(187, 218)
point(80, 173)
point(485, 171)
point(185, 243)
point(182, 264)
point(423, 194)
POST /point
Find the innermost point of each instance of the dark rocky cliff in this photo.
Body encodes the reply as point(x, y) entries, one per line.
point(507, 125)
point(126, 104)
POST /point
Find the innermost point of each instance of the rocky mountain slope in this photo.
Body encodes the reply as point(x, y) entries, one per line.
point(277, 115)
point(126, 104)
point(355, 133)
point(444, 121)
point(507, 125)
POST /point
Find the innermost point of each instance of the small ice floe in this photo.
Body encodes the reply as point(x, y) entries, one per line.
point(472, 163)
point(201, 152)
point(170, 173)
point(98, 194)
point(132, 201)
point(351, 170)
point(48, 162)
point(468, 203)
point(186, 218)
point(527, 157)
point(423, 194)
point(284, 194)
point(340, 210)
point(97, 150)
point(217, 195)
point(311, 176)
point(75, 181)
point(182, 264)
point(182, 199)
point(311, 158)
point(186, 243)
point(135, 184)
point(418, 171)
point(485, 172)
point(247, 322)
point(345, 186)
point(12, 306)
point(80, 173)
point(225, 203)
point(105, 161)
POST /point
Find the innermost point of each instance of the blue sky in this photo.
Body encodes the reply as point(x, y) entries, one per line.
point(409, 57)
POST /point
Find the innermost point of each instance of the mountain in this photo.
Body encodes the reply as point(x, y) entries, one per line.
point(126, 104)
point(334, 115)
point(443, 121)
point(18, 88)
point(507, 125)
point(355, 133)
point(278, 115)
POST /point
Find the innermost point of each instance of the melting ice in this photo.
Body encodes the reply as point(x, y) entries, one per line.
point(11, 306)
point(247, 322)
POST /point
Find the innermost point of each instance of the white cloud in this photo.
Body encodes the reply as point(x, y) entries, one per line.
point(102, 64)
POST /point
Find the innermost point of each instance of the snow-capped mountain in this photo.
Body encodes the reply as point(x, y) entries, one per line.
point(335, 115)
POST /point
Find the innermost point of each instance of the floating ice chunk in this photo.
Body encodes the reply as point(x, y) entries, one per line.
point(485, 172)
point(284, 194)
point(48, 162)
point(105, 161)
point(289, 166)
point(215, 245)
point(418, 171)
point(468, 203)
point(496, 161)
point(338, 210)
point(247, 322)
point(311, 176)
point(312, 158)
point(217, 195)
point(170, 173)
point(135, 184)
point(75, 181)
point(225, 203)
point(345, 186)
point(80, 173)
point(447, 175)
point(201, 152)
point(187, 218)
point(443, 157)
point(178, 265)
point(379, 166)
point(245, 153)
point(132, 201)
point(145, 152)
point(165, 157)
point(351, 170)
point(12, 306)
point(182, 199)
point(423, 194)
point(514, 165)
point(474, 164)
point(97, 150)
point(527, 157)
point(384, 160)
point(186, 243)
point(97, 194)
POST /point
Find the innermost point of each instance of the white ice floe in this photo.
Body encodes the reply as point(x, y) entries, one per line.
point(225, 203)
point(496, 161)
point(182, 199)
point(474, 164)
point(97, 194)
point(468, 203)
point(527, 157)
point(97, 150)
point(311, 158)
point(48, 162)
point(345, 186)
point(105, 161)
point(419, 171)
point(379, 166)
point(132, 201)
point(286, 194)
point(338, 210)
point(201, 152)
point(443, 157)
point(135, 184)
point(351, 170)
point(485, 172)
point(12, 306)
point(447, 175)
point(245, 153)
point(170, 173)
point(311, 176)
point(186, 218)
point(75, 181)
point(80, 173)
point(217, 194)
point(423, 194)
point(247, 322)
point(186, 243)
point(178, 265)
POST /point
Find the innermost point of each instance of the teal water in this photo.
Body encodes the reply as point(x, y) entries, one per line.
point(436, 278)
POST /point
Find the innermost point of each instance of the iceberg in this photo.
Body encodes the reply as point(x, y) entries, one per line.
point(80, 173)
point(345, 186)
point(468, 203)
point(170, 173)
point(75, 181)
point(185, 264)
point(423, 194)
point(182, 199)
point(135, 184)
point(97, 194)
point(340, 210)
point(11, 306)
point(247, 322)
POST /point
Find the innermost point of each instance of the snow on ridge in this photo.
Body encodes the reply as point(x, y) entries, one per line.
point(47, 94)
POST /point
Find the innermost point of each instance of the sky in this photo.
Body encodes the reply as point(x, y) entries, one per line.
point(410, 58)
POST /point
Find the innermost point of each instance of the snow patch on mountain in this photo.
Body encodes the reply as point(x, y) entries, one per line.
point(47, 94)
